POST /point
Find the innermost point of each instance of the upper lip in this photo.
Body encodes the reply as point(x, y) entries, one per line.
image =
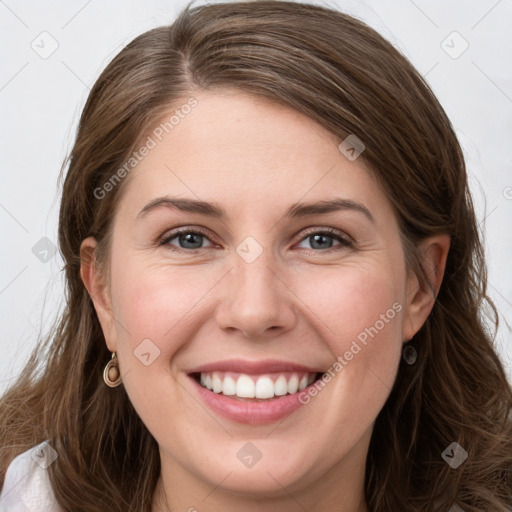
point(254, 367)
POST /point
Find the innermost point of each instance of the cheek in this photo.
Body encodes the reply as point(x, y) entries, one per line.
point(355, 302)
point(152, 301)
point(152, 312)
point(359, 311)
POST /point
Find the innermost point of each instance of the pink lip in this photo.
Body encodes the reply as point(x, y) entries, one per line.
point(254, 367)
point(252, 413)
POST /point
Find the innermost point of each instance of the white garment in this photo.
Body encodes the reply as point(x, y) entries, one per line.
point(27, 485)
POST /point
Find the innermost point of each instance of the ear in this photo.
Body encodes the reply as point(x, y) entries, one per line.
point(421, 296)
point(96, 285)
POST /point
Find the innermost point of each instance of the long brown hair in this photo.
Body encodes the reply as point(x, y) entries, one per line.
point(344, 75)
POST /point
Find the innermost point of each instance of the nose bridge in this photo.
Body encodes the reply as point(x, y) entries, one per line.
point(252, 275)
point(257, 300)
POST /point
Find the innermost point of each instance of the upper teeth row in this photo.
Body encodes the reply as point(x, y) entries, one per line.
point(246, 386)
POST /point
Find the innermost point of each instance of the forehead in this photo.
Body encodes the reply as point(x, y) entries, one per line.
point(242, 149)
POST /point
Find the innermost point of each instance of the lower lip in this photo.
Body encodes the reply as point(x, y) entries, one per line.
point(252, 413)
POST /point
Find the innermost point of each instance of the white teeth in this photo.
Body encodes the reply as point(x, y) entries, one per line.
point(263, 387)
point(293, 385)
point(280, 386)
point(229, 386)
point(245, 387)
point(303, 383)
point(216, 383)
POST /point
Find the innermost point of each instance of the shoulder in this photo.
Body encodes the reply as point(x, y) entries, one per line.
point(27, 485)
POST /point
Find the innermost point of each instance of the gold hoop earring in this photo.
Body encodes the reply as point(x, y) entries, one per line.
point(111, 374)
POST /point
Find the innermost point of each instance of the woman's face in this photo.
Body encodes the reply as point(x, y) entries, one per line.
point(261, 298)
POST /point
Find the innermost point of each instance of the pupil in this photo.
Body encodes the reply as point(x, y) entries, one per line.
point(189, 238)
point(317, 238)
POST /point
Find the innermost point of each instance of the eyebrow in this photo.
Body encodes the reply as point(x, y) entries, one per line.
point(296, 210)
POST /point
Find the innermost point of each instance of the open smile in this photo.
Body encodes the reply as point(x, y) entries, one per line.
point(253, 392)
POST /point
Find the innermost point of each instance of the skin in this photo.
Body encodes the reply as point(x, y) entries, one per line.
point(297, 302)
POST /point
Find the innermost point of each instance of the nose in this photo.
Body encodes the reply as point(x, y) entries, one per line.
point(257, 301)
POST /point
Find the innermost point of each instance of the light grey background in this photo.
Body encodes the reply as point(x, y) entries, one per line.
point(41, 95)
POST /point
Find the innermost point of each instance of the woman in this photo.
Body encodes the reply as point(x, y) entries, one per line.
point(256, 368)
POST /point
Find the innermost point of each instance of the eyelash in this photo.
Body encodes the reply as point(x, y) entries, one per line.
point(345, 242)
